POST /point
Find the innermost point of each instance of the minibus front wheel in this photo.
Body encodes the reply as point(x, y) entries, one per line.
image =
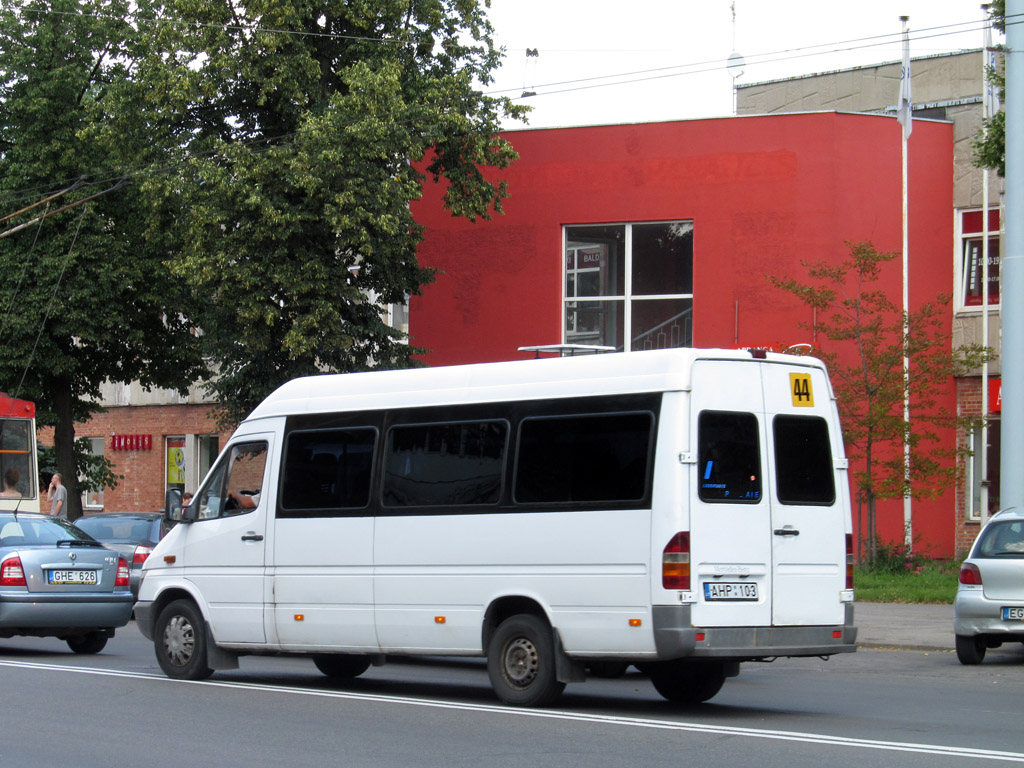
point(521, 662)
point(180, 639)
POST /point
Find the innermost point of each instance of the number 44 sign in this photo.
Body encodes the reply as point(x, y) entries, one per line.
point(800, 389)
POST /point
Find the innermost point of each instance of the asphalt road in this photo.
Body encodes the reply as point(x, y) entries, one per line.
point(871, 708)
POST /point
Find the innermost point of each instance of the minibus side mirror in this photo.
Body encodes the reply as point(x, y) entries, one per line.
point(173, 511)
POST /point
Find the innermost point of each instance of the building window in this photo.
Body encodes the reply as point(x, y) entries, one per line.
point(93, 499)
point(629, 286)
point(971, 258)
point(974, 476)
point(209, 447)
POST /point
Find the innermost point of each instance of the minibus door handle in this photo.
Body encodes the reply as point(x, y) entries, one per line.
point(787, 531)
point(252, 537)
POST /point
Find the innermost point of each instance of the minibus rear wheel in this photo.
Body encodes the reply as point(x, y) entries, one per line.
point(687, 682)
point(341, 666)
point(180, 639)
point(521, 662)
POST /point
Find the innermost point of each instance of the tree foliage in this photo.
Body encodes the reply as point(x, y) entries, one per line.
point(864, 347)
point(990, 144)
point(270, 152)
point(303, 133)
point(83, 299)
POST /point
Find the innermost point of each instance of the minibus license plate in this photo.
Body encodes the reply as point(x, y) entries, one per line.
point(72, 577)
point(730, 591)
point(1013, 614)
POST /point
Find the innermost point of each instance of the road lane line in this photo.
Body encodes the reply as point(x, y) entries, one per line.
point(552, 714)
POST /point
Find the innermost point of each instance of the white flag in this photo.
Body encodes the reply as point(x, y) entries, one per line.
point(903, 113)
point(991, 97)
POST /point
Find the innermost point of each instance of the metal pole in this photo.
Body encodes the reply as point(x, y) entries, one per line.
point(986, 108)
point(905, 99)
point(1011, 478)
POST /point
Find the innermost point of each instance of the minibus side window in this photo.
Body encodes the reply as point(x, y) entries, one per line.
point(803, 461)
point(236, 485)
point(327, 469)
point(592, 458)
point(445, 464)
point(728, 457)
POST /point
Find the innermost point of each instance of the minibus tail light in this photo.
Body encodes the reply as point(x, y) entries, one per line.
point(849, 561)
point(675, 563)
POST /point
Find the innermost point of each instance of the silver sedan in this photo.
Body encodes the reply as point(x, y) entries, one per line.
point(57, 581)
point(989, 605)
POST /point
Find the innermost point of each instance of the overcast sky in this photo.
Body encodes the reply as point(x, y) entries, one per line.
point(668, 56)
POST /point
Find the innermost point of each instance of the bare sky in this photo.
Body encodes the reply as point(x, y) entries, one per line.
point(617, 62)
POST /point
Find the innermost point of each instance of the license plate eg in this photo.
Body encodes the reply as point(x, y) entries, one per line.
point(1013, 614)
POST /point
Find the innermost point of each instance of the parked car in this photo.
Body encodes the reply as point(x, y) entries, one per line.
point(133, 534)
point(989, 606)
point(58, 581)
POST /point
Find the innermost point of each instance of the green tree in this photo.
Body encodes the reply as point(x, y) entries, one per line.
point(302, 132)
point(82, 300)
point(864, 348)
point(990, 144)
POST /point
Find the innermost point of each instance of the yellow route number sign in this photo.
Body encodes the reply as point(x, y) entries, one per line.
point(800, 389)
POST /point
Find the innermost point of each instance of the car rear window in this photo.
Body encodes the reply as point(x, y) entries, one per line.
point(1001, 539)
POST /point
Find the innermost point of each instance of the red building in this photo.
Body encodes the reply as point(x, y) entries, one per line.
point(663, 234)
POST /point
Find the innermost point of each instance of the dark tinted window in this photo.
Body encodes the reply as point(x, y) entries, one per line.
point(592, 458)
point(728, 457)
point(328, 469)
point(445, 464)
point(803, 460)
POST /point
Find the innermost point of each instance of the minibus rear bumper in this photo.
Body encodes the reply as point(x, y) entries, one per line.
point(675, 637)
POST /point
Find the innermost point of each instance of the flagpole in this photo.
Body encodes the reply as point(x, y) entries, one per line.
point(906, 118)
point(986, 111)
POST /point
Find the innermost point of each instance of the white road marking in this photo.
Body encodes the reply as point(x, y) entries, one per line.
point(552, 714)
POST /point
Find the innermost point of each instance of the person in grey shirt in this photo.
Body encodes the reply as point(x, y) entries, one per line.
point(58, 497)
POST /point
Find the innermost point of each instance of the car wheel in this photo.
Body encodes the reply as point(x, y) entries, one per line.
point(521, 662)
point(341, 666)
point(970, 649)
point(180, 640)
point(90, 642)
point(688, 682)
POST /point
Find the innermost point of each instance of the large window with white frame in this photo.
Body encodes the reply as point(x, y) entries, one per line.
point(629, 286)
point(970, 267)
point(974, 474)
point(94, 499)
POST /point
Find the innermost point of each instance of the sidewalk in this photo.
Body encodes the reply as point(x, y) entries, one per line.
point(899, 625)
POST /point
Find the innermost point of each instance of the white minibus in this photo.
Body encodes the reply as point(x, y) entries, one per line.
point(681, 511)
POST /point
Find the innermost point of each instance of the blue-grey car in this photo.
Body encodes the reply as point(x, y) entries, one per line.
point(132, 534)
point(989, 605)
point(57, 581)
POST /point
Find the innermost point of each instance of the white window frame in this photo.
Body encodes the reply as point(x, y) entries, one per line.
point(961, 239)
point(94, 443)
point(626, 299)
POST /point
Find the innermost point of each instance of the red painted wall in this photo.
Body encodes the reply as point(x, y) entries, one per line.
point(765, 193)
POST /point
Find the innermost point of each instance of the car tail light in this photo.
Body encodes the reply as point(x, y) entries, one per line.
point(141, 553)
point(675, 563)
point(849, 561)
point(970, 574)
point(11, 573)
point(122, 579)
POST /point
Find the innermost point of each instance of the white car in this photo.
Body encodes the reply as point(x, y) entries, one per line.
point(989, 605)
